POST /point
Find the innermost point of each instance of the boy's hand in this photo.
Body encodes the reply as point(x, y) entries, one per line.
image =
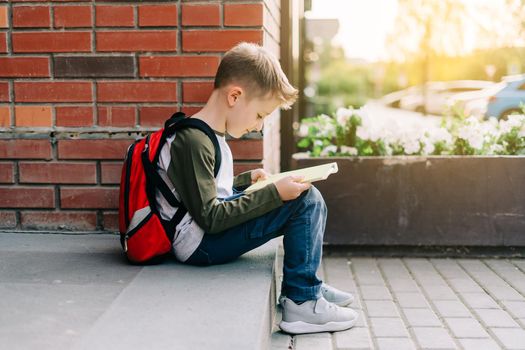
point(259, 175)
point(291, 187)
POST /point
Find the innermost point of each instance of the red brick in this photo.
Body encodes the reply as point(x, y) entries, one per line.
point(3, 42)
point(25, 149)
point(52, 42)
point(59, 173)
point(116, 116)
point(24, 67)
point(110, 172)
point(243, 14)
point(242, 167)
point(114, 16)
point(72, 16)
point(58, 220)
point(6, 172)
point(180, 66)
point(218, 40)
point(31, 16)
point(53, 92)
point(7, 219)
point(49, 1)
point(133, 40)
point(200, 15)
point(74, 116)
point(3, 17)
point(93, 149)
point(196, 91)
point(5, 116)
point(246, 149)
point(145, 91)
point(33, 116)
point(110, 221)
point(27, 197)
point(4, 92)
point(155, 116)
point(89, 197)
point(157, 15)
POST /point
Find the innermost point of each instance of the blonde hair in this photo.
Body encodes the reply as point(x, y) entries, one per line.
point(258, 71)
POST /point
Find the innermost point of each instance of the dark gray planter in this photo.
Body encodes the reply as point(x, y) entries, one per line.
point(414, 201)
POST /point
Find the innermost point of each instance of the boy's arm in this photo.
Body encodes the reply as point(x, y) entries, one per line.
point(242, 181)
point(191, 172)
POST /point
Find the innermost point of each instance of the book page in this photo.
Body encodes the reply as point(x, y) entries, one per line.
point(310, 174)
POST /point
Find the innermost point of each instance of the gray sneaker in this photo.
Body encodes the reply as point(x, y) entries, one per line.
point(315, 316)
point(333, 295)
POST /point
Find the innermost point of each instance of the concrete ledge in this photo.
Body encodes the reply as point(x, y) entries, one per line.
point(76, 291)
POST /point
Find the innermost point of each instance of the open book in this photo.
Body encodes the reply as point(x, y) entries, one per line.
point(311, 174)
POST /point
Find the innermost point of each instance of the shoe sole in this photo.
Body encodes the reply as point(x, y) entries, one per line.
point(341, 303)
point(300, 327)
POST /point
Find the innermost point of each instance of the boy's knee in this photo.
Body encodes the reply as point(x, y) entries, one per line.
point(314, 197)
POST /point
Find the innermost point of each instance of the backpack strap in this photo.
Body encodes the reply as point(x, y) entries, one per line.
point(177, 121)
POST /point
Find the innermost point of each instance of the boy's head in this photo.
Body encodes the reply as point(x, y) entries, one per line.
point(253, 84)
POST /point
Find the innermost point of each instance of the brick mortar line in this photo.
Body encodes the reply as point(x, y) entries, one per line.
point(364, 309)
point(504, 307)
point(93, 26)
point(179, 27)
point(11, 85)
point(409, 328)
point(431, 303)
point(135, 16)
point(332, 336)
point(467, 306)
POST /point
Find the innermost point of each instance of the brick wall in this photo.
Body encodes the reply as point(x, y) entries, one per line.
point(79, 80)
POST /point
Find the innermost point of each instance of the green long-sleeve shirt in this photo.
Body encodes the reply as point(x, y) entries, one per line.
point(191, 172)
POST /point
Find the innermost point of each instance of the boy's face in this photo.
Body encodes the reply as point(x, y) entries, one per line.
point(248, 114)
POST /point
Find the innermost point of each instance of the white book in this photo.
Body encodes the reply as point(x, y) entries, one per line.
point(310, 174)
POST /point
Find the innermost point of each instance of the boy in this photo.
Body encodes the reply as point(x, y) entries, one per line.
point(222, 225)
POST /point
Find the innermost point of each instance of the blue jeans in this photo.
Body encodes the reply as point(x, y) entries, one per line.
point(302, 222)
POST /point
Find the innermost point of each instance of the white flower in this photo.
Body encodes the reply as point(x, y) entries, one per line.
point(343, 115)
point(318, 143)
point(495, 149)
point(428, 146)
point(303, 130)
point(363, 114)
point(513, 121)
point(436, 135)
point(362, 133)
point(349, 150)
point(325, 152)
point(411, 146)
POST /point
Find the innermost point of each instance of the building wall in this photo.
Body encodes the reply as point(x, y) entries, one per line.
point(79, 80)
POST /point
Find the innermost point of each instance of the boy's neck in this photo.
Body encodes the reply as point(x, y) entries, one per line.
point(213, 114)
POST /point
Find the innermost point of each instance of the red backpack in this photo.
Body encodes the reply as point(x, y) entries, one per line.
point(146, 237)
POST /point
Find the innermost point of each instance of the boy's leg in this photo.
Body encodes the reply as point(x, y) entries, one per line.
point(302, 221)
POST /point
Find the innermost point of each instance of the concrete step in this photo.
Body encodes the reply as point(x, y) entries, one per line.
point(77, 292)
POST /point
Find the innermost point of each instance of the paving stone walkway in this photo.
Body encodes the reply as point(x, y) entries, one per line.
point(418, 303)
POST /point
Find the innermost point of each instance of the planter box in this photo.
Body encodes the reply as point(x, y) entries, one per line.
point(414, 201)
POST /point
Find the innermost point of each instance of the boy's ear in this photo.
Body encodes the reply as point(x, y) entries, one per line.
point(234, 93)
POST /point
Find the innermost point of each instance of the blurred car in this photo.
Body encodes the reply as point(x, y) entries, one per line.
point(393, 99)
point(472, 103)
point(437, 94)
point(509, 99)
